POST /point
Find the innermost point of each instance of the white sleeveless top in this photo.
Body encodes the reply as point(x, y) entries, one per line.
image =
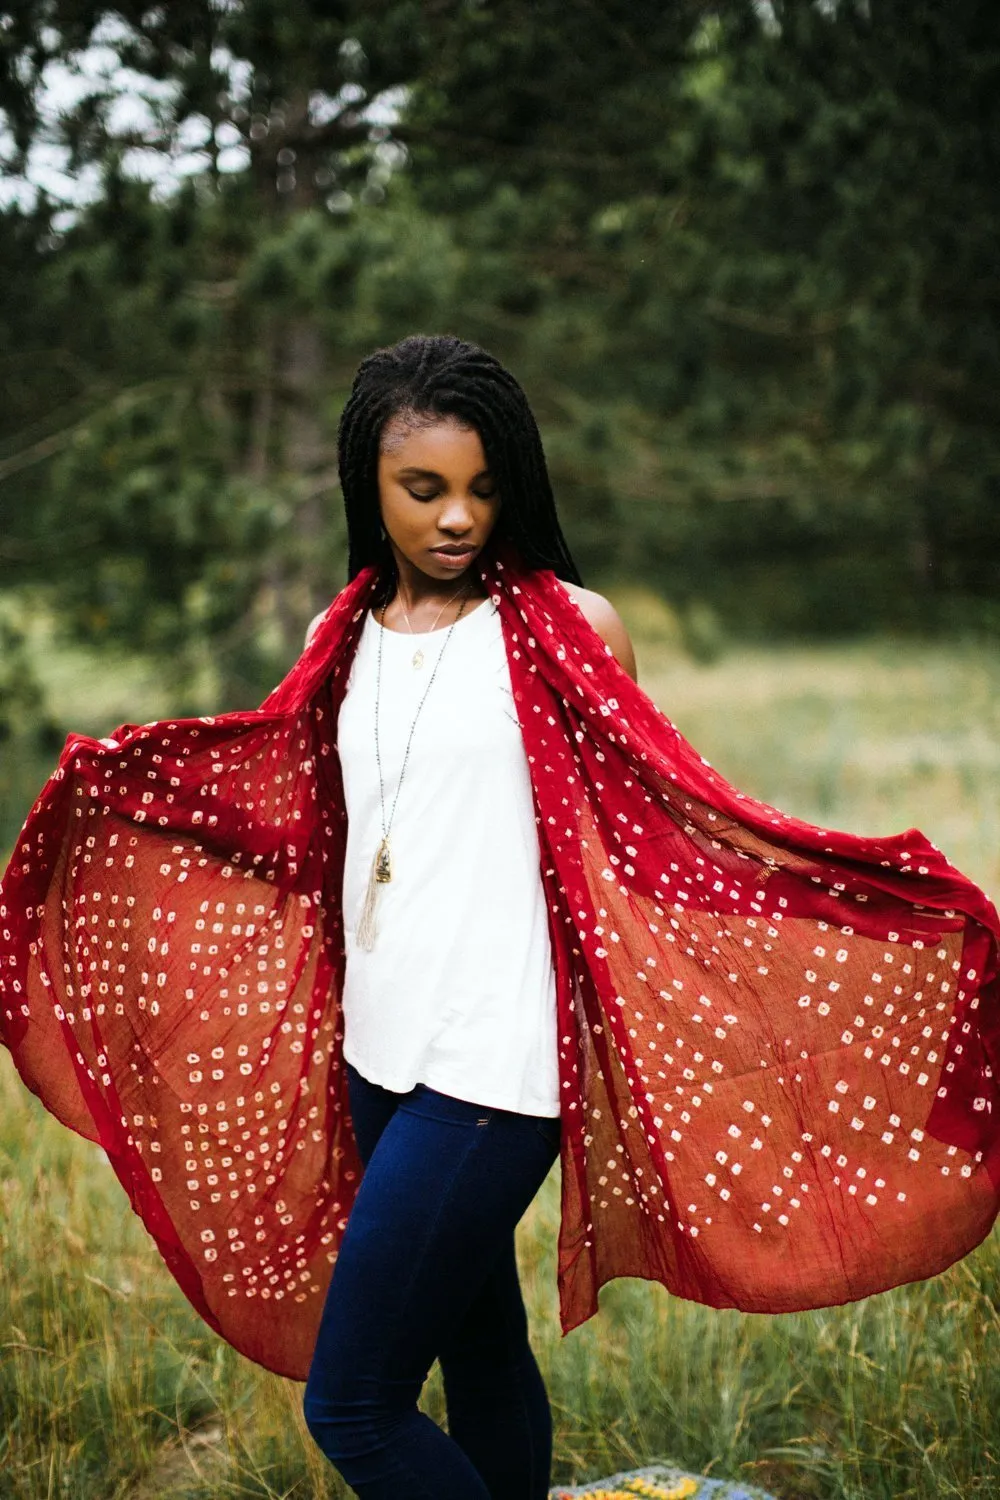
point(459, 990)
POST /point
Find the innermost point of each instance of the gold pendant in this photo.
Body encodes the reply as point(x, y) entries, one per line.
point(383, 867)
point(418, 658)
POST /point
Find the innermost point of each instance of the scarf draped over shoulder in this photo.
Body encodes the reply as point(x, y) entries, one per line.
point(778, 1044)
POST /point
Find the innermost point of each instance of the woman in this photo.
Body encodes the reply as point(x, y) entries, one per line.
point(450, 901)
point(450, 1018)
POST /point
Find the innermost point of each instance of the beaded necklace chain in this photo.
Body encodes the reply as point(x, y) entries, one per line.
point(381, 870)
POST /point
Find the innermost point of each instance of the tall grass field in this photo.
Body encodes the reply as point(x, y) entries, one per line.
point(112, 1389)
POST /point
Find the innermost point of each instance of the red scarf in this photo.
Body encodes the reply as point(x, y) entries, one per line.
point(778, 1044)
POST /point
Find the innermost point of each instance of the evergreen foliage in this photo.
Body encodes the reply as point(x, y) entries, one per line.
point(742, 259)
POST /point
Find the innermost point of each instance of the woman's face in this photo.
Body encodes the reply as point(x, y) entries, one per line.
point(439, 501)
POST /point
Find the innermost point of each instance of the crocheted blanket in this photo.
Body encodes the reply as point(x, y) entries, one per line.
point(661, 1482)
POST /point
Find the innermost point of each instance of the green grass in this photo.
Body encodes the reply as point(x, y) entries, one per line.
point(110, 1387)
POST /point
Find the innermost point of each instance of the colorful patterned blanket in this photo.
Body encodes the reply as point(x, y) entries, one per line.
point(661, 1482)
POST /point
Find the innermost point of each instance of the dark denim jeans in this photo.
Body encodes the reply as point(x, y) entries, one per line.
point(427, 1270)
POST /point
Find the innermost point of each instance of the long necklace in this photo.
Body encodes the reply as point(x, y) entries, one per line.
point(381, 870)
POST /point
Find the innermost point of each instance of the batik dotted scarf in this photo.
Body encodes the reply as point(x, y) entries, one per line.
point(777, 1043)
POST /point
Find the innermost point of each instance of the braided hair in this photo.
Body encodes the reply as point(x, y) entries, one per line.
point(429, 376)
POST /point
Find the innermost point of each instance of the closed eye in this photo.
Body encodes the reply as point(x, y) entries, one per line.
point(433, 494)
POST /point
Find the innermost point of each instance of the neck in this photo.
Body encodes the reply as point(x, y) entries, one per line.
point(416, 589)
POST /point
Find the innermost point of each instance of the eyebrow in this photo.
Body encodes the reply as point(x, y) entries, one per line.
point(412, 472)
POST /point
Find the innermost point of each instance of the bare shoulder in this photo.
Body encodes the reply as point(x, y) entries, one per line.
point(605, 619)
point(314, 625)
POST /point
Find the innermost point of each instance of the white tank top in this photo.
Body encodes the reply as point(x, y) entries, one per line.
point(459, 990)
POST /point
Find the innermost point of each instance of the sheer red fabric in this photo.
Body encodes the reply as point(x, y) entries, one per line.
point(778, 1043)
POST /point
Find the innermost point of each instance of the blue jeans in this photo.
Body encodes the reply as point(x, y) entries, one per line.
point(427, 1270)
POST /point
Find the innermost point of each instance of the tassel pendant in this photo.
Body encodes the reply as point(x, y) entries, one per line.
point(381, 874)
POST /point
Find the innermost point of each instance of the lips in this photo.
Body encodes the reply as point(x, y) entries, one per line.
point(453, 562)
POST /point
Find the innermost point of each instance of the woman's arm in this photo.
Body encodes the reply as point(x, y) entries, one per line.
point(604, 618)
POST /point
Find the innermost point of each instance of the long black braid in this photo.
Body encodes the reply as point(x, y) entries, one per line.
point(439, 375)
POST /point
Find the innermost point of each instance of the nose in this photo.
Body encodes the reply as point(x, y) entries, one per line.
point(456, 516)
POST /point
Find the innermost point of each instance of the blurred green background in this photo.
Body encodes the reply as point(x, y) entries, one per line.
point(744, 259)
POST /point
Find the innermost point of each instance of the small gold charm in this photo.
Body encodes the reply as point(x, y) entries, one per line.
point(383, 867)
point(418, 658)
